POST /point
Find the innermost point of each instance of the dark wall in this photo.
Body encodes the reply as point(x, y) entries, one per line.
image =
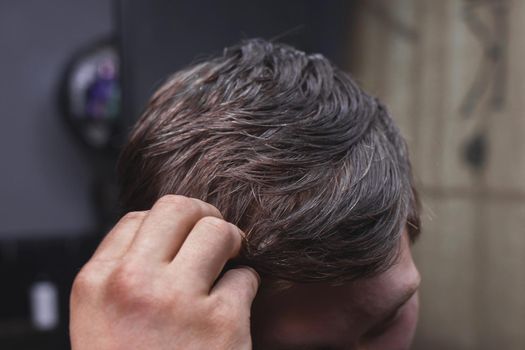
point(159, 37)
point(45, 176)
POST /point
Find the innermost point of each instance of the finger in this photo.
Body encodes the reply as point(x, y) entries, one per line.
point(118, 240)
point(238, 285)
point(166, 227)
point(200, 260)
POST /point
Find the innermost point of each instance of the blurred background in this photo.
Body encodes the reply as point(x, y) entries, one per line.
point(75, 75)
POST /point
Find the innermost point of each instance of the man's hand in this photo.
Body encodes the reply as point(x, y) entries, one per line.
point(152, 283)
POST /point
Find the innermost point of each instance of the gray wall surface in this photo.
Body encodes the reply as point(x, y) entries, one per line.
point(45, 177)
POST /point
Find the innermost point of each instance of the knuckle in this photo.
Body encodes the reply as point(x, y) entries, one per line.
point(128, 285)
point(180, 203)
point(128, 275)
point(174, 200)
point(183, 203)
point(211, 208)
point(224, 232)
point(133, 288)
point(134, 216)
point(215, 224)
point(85, 282)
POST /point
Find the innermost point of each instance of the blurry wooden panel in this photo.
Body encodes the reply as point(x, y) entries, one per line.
point(446, 257)
point(380, 48)
point(420, 58)
point(459, 66)
point(506, 170)
point(400, 44)
point(367, 58)
point(502, 277)
point(432, 27)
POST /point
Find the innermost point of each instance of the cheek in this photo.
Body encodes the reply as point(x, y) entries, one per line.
point(399, 336)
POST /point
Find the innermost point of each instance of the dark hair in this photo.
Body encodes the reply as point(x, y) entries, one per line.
point(288, 148)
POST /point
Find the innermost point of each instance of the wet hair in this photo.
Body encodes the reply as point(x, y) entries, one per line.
point(289, 149)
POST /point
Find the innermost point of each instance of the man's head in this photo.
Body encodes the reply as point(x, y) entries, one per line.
point(293, 152)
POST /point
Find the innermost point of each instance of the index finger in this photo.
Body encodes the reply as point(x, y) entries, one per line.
point(166, 227)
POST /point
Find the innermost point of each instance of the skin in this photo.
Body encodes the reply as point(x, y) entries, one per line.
point(150, 284)
point(153, 283)
point(378, 313)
